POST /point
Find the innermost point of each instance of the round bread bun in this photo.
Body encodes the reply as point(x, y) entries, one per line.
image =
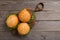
point(12, 21)
point(23, 28)
point(24, 15)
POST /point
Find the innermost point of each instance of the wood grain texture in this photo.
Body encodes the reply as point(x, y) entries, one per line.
point(50, 12)
point(47, 25)
point(42, 21)
point(18, 5)
point(42, 30)
point(47, 16)
point(33, 35)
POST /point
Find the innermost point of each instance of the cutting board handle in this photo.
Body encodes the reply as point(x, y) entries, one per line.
point(39, 7)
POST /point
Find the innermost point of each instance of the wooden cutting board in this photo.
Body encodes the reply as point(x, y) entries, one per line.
point(47, 25)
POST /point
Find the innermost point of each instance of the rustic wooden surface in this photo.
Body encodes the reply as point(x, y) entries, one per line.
point(47, 25)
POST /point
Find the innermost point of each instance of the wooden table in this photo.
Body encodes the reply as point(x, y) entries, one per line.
point(47, 25)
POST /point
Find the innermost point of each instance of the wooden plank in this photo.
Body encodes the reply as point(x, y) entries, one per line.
point(33, 35)
point(41, 25)
point(47, 25)
point(30, 0)
point(13, 5)
point(18, 5)
point(50, 12)
point(39, 15)
point(47, 16)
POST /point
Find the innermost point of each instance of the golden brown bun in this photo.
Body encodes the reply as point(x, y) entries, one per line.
point(24, 15)
point(12, 21)
point(23, 28)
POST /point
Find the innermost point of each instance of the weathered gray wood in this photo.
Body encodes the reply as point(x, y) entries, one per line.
point(30, 0)
point(18, 5)
point(47, 15)
point(47, 25)
point(39, 15)
point(44, 22)
point(40, 25)
point(33, 35)
point(13, 5)
point(50, 12)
